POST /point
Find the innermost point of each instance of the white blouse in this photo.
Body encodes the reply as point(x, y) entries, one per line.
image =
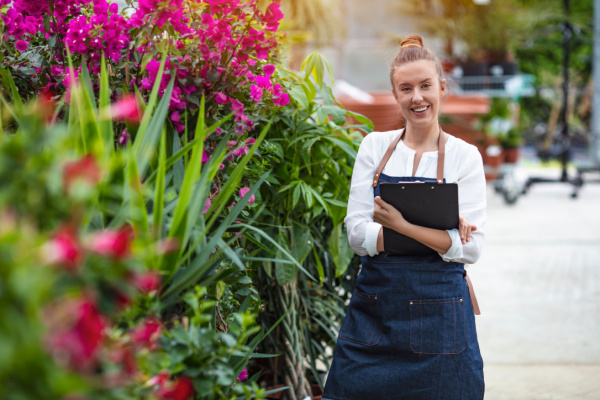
point(463, 165)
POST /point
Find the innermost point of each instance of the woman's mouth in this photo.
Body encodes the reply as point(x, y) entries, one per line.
point(420, 110)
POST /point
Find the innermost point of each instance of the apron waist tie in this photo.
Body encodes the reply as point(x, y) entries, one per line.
point(472, 295)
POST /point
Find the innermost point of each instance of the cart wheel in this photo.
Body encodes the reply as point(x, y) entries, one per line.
point(510, 198)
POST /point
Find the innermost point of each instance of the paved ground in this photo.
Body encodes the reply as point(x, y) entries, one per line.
point(538, 286)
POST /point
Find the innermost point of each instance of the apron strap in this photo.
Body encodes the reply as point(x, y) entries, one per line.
point(472, 295)
point(390, 150)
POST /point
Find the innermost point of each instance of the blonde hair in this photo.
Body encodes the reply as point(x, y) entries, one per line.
point(411, 50)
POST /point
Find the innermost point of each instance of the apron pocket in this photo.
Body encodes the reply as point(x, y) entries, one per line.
point(437, 326)
point(362, 323)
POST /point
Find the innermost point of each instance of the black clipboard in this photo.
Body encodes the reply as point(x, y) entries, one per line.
point(433, 205)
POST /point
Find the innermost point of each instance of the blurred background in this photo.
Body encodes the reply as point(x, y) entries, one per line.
point(521, 79)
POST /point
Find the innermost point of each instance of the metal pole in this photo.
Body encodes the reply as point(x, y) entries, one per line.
point(595, 121)
point(567, 30)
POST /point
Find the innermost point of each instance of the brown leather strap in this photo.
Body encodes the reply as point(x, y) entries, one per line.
point(441, 157)
point(390, 150)
point(472, 295)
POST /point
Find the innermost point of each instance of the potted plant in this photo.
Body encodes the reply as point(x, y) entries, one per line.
point(510, 142)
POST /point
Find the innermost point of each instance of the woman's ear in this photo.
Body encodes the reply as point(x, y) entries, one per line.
point(395, 96)
point(442, 87)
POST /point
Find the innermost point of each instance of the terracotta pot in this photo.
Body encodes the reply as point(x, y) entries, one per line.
point(511, 155)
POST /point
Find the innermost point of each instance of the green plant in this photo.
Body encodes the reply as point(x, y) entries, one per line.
point(106, 226)
point(312, 151)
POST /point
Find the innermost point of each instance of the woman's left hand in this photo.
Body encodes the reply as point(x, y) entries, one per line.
point(464, 229)
point(387, 215)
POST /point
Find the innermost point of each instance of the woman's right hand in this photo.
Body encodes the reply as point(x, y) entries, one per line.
point(464, 229)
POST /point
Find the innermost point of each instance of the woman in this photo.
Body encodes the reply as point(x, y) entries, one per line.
point(409, 332)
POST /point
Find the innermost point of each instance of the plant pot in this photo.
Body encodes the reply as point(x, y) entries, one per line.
point(511, 155)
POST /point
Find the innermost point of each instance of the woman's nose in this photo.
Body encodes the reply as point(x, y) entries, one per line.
point(417, 98)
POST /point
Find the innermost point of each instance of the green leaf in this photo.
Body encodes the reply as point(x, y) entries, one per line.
point(338, 114)
point(361, 119)
point(16, 97)
point(301, 241)
point(148, 139)
point(148, 113)
point(340, 250)
point(106, 126)
point(320, 269)
point(298, 94)
point(159, 193)
point(344, 144)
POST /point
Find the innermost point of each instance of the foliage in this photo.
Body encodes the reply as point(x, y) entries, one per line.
point(88, 311)
point(313, 153)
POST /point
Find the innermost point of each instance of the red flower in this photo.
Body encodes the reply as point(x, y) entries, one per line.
point(126, 108)
point(147, 334)
point(181, 389)
point(112, 243)
point(81, 337)
point(147, 282)
point(63, 249)
point(85, 169)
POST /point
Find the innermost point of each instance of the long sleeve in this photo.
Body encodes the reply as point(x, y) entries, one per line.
point(463, 165)
point(362, 230)
point(472, 206)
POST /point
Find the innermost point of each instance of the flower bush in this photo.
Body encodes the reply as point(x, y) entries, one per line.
point(110, 308)
point(223, 50)
point(134, 176)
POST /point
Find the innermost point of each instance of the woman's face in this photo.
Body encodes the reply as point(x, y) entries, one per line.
point(418, 91)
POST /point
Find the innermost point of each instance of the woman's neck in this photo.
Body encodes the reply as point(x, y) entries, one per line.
point(422, 138)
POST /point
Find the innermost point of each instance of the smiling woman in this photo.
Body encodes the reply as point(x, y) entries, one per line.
point(410, 332)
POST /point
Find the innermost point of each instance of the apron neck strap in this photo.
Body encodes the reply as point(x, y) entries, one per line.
point(390, 150)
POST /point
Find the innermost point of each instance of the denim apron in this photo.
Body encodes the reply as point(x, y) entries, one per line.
point(409, 332)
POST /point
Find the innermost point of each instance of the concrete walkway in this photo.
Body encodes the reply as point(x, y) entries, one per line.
point(538, 286)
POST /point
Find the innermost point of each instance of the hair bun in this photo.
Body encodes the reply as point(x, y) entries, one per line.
point(412, 41)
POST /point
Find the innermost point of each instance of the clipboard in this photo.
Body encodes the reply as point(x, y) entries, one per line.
point(433, 205)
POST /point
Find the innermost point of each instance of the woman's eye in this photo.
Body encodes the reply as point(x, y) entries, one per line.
point(405, 89)
point(426, 86)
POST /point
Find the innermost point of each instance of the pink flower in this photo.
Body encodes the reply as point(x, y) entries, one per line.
point(207, 205)
point(244, 191)
point(147, 282)
point(256, 93)
point(283, 100)
point(175, 117)
point(126, 108)
point(146, 336)
point(21, 45)
point(263, 82)
point(205, 157)
point(220, 98)
point(85, 169)
point(250, 141)
point(64, 249)
point(243, 375)
point(241, 151)
point(115, 244)
point(269, 69)
point(124, 138)
point(262, 54)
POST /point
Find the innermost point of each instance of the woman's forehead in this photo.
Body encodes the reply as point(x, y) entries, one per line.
point(415, 72)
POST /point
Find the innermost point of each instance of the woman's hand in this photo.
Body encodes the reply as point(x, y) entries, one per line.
point(465, 229)
point(387, 215)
